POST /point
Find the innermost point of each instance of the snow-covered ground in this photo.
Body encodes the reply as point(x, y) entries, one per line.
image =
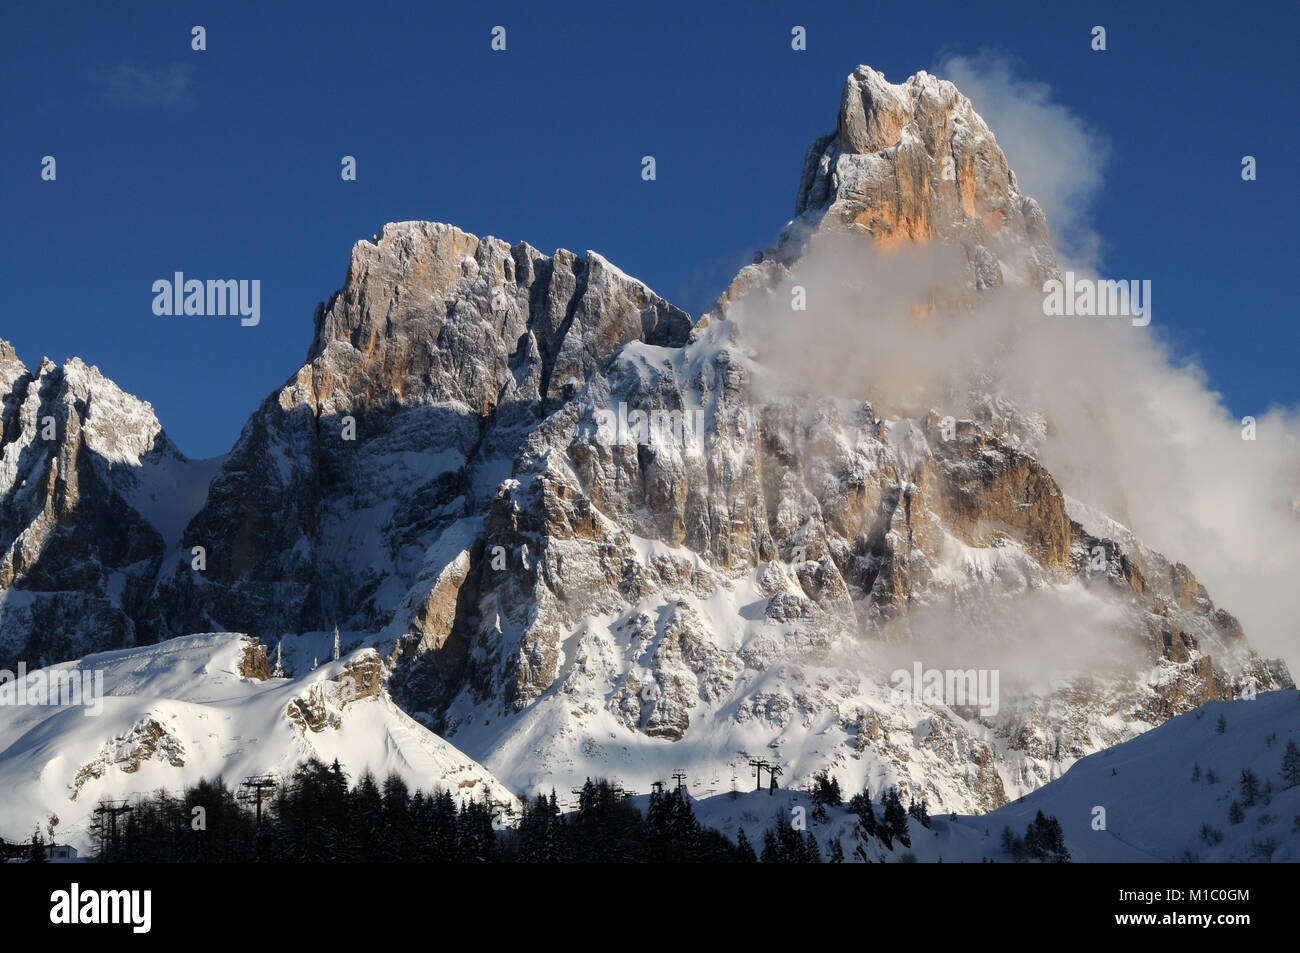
point(180, 711)
point(1134, 803)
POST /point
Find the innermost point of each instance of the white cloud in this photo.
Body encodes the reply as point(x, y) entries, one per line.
point(1058, 158)
point(133, 86)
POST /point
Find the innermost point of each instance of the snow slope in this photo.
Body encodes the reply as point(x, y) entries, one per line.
point(1154, 811)
point(181, 710)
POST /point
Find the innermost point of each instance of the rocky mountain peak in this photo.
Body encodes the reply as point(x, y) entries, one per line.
point(914, 162)
point(91, 488)
point(431, 313)
point(873, 111)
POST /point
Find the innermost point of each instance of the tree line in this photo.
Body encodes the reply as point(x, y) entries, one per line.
point(317, 816)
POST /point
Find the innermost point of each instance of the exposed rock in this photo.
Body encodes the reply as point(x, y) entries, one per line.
point(444, 349)
point(146, 739)
point(89, 484)
point(324, 702)
point(253, 662)
point(916, 163)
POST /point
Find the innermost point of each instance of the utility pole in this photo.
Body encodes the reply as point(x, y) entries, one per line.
point(773, 772)
point(759, 765)
point(680, 776)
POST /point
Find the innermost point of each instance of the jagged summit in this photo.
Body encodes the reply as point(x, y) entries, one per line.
point(915, 162)
point(911, 164)
point(429, 308)
point(92, 494)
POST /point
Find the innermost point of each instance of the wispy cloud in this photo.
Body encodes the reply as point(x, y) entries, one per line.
point(134, 86)
point(1127, 426)
point(1059, 158)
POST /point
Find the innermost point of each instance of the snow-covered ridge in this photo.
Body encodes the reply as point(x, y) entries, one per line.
point(200, 706)
point(1166, 796)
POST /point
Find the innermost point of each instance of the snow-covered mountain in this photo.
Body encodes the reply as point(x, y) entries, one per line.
point(93, 496)
point(574, 532)
point(1165, 796)
point(203, 706)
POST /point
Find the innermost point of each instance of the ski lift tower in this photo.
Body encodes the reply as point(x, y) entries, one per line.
point(112, 810)
point(253, 789)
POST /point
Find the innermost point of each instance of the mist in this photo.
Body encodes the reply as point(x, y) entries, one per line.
point(1058, 157)
point(1120, 424)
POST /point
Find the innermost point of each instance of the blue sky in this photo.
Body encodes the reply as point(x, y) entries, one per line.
point(225, 163)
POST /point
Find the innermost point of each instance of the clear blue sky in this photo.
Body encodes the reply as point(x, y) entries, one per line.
point(225, 163)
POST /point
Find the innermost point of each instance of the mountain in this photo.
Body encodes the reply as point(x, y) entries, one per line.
point(580, 534)
point(93, 496)
point(202, 706)
point(1185, 762)
point(444, 351)
point(916, 163)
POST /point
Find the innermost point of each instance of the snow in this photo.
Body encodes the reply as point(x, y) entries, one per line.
point(216, 722)
point(617, 272)
point(1153, 810)
point(168, 491)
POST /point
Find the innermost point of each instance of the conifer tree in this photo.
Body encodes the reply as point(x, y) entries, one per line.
point(918, 810)
point(826, 790)
point(1249, 788)
point(1291, 765)
point(896, 817)
point(812, 853)
point(744, 850)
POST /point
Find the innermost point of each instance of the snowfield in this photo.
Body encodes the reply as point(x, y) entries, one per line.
point(1153, 810)
point(180, 711)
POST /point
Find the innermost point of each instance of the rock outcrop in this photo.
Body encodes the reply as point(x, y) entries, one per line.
point(426, 372)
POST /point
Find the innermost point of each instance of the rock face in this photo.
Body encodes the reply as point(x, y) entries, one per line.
point(427, 370)
point(575, 532)
point(916, 163)
point(146, 740)
point(90, 486)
